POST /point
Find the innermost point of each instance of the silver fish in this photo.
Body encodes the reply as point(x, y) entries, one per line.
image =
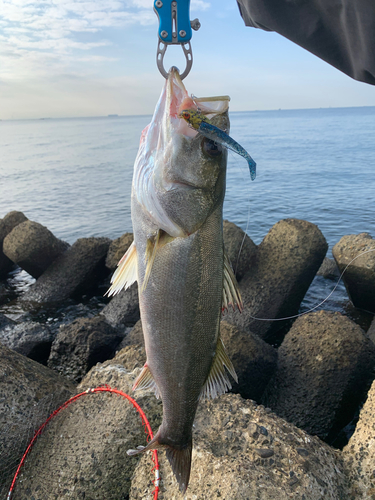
point(178, 258)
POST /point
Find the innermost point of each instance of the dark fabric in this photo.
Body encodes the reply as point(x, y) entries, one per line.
point(341, 32)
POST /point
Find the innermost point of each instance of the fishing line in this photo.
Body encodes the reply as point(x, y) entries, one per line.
point(315, 307)
point(309, 310)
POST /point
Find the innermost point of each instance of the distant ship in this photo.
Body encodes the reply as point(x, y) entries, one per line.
point(112, 116)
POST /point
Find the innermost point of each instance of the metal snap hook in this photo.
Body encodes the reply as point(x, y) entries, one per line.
point(162, 48)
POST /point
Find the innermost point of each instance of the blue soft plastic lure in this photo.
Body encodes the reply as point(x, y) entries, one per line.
point(203, 125)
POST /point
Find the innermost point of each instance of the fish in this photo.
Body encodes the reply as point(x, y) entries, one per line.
point(198, 121)
point(185, 279)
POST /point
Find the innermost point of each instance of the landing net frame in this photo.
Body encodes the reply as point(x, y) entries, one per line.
point(103, 388)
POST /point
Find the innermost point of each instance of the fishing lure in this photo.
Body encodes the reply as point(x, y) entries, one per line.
point(201, 123)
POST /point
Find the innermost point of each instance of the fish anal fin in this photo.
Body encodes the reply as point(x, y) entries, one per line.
point(154, 243)
point(218, 382)
point(126, 273)
point(145, 380)
point(231, 291)
point(152, 445)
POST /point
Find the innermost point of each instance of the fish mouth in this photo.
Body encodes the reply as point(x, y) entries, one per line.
point(176, 92)
point(176, 97)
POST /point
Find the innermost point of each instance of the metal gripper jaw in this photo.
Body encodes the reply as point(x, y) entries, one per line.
point(175, 28)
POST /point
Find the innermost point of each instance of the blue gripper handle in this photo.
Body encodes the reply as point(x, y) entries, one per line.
point(182, 30)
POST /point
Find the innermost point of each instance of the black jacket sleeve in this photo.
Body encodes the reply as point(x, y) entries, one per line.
point(341, 32)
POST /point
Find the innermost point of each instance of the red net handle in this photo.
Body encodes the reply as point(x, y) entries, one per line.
point(104, 388)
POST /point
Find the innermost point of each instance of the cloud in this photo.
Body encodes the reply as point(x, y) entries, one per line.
point(36, 33)
point(43, 41)
point(199, 5)
point(40, 37)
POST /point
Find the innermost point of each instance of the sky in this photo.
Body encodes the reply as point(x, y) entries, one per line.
point(65, 58)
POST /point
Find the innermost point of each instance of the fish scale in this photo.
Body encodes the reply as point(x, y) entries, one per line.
point(182, 337)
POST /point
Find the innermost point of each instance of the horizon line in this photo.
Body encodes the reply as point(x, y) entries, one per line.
point(114, 115)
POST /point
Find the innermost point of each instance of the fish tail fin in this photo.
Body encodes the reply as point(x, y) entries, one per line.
point(179, 458)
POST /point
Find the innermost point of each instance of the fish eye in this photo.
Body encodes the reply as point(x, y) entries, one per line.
point(211, 148)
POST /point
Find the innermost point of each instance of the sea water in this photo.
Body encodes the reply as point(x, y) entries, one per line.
point(74, 175)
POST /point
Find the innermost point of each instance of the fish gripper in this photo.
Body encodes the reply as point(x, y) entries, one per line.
point(175, 28)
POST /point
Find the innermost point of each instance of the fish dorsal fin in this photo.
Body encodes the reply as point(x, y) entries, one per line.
point(218, 382)
point(145, 380)
point(231, 292)
point(126, 273)
point(157, 241)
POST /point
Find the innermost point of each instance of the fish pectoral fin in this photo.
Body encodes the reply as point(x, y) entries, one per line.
point(154, 243)
point(218, 382)
point(231, 291)
point(126, 273)
point(145, 380)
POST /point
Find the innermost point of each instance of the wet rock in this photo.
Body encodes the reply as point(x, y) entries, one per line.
point(9, 222)
point(371, 331)
point(29, 392)
point(3, 293)
point(133, 336)
point(123, 310)
point(242, 451)
point(5, 321)
point(80, 345)
point(359, 277)
point(88, 446)
point(240, 249)
point(130, 358)
point(287, 261)
point(30, 339)
point(33, 247)
point(253, 359)
point(359, 454)
point(328, 269)
point(325, 367)
point(71, 274)
point(117, 249)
